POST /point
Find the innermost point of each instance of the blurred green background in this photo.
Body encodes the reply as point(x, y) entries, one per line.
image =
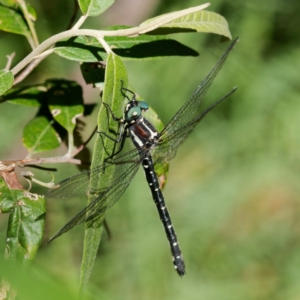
point(233, 187)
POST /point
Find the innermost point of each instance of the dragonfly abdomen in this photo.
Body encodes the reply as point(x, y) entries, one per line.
point(163, 214)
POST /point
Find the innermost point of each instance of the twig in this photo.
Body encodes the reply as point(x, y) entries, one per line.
point(130, 32)
point(79, 22)
point(10, 58)
point(45, 53)
point(30, 178)
point(38, 59)
point(29, 22)
point(39, 161)
point(21, 76)
point(70, 145)
point(104, 44)
point(68, 34)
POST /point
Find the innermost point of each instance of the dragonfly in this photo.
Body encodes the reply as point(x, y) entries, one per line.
point(151, 147)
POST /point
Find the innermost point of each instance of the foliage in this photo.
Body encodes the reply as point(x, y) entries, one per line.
point(59, 105)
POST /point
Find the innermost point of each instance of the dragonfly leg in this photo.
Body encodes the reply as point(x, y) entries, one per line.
point(129, 91)
point(120, 120)
point(121, 137)
point(120, 140)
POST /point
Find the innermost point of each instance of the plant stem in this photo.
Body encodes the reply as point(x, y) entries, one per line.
point(27, 70)
point(130, 32)
point(39, 161)
point(29, 23)
point(9, 60)
point(68, 34)
point(79, 22)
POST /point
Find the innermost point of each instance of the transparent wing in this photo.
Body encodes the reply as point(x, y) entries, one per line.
point(189, 110)
point(185, 120)
point(168, 145)
point(113, 186)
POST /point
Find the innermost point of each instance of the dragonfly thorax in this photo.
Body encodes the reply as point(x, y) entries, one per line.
point(143, 133)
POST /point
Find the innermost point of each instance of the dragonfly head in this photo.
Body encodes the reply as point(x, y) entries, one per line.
point(134, 110)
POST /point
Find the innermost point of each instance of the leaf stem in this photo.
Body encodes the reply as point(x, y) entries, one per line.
point(47, 160)
point(35, 41)
point(79, 22)
point(30, 178)
point(70, 145)
point(104, 44)
point(9, 57)
point(38, 58)
point(64, 35)
point(28, 70)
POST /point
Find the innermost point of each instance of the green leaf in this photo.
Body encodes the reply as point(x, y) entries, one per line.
point(12, 21)
point(10, 3)
point(202, 21)
point(16, 5)
point(158, 21)
point(6, 201)
point(86, 49)
point(25, 227)
point(39, 135)
point(115, 73)
point(31, 11)
point(94, 8)
point(29, 96)
point(65, 102)
point(26, 222)
point(81, 48)
point(6, 81)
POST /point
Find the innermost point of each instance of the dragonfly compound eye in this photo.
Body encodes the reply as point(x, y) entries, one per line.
point(133, 113)
point(143, 105)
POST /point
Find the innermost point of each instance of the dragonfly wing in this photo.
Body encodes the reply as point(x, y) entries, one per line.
point(124, 169)
point(78, 184)
point(168, 145)
point(188, 111)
